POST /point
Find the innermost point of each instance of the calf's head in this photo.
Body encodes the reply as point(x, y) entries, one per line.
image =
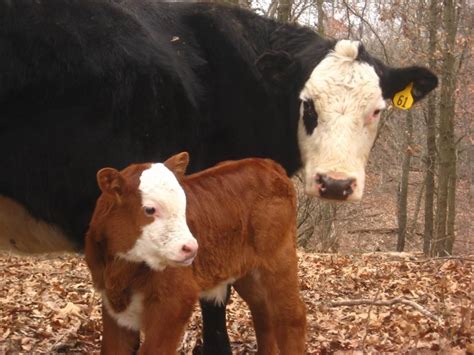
point(342, 97)
point(141, 215)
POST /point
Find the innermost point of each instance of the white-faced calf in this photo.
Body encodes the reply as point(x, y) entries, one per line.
point(243, 215)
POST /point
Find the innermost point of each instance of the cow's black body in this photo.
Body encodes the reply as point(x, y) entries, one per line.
point(86, 84)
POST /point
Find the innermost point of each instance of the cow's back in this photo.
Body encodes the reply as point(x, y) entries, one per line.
point(88, 84)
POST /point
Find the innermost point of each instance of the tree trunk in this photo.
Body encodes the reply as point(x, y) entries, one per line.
point(403, 192)
point(446, 145)
point(284, 10)
point(319, 5)
point(451, 220)
point(414, 222)
point(430, 136)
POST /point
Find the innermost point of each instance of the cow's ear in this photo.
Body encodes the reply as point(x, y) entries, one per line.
point(111, 182)
point(417, 80)
point(277, 67)
point(178, 164)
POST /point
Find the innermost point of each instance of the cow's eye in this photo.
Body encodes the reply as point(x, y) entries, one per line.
point(149, 211)
point(310, 117)
point(376, 112)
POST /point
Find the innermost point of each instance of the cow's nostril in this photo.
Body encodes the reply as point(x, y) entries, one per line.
point(321, 179)
point(335, 187)
point(347, 191)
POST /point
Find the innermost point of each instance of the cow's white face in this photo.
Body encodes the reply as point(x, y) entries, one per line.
point(347, 99)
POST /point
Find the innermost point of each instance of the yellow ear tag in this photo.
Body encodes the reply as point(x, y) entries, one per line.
point(404, 99)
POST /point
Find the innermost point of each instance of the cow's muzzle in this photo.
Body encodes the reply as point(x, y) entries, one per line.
point(335, 186)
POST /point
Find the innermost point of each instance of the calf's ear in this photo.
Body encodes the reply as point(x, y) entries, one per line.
point(178, 164)
point(394, 80)
point(111, 182)
point(277, 68)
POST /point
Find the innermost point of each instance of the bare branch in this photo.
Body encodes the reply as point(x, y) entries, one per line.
point(371, 28)
point(450, 257)
point(272, 9)
point(390, 302)
point(297, 15)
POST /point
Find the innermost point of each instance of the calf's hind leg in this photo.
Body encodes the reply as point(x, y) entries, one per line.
point(288, 312)
point(250, 289)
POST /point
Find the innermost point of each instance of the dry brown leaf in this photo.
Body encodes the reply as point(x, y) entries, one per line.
point(48, 305)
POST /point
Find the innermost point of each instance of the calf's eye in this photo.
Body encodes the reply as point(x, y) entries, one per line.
point(149, 211)
point(376, 112)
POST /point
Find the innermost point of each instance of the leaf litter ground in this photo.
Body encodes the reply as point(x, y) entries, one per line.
point(47, 304)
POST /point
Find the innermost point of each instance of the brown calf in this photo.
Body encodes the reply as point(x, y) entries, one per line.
point(243, 216)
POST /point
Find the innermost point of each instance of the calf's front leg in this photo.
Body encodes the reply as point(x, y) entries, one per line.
point(117, 340)
point(164, 326)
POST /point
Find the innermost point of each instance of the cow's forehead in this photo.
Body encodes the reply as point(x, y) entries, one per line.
point(341, 73)
point(159, 184)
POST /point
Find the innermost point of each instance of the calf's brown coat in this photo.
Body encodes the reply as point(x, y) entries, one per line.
point(243, 215)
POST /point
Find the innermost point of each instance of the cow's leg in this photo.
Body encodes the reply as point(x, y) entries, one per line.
point(254, 294)
point(215, 337)
point(117, 340)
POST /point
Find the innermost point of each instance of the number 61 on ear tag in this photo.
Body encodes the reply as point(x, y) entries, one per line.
point(404, 99)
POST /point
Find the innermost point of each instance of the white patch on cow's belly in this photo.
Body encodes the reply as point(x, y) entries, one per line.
point(132, 316)
point(217, 294)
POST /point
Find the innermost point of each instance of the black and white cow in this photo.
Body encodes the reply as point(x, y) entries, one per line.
point(92, 83)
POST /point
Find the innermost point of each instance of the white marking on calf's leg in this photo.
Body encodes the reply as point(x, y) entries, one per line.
point(131, 317)
point(217, 294)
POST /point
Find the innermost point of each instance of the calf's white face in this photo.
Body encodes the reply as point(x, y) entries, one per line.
point(167, 239)
point(347, 99)
point(142, 213)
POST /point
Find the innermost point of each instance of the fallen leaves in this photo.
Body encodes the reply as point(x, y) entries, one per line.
point(48, 305)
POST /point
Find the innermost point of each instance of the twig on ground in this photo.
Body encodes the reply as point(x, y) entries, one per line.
point(59, 340)
point(450, 257)
point(390, 302)
point(92, 303)
point(368, 319)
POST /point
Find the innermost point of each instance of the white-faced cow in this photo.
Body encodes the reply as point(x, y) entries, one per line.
point(93, 83)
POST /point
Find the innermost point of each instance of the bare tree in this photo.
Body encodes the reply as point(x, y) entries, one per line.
point(403, 191)
point(319, 4)
point(430, 134)
point(446, 142)
point(284, 10)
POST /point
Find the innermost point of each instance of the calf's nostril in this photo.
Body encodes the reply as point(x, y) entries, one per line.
point(187, 249)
